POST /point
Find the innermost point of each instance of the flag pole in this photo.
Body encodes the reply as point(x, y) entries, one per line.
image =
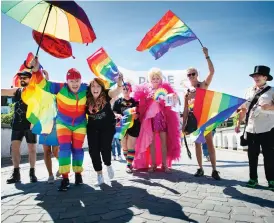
point(194, 33)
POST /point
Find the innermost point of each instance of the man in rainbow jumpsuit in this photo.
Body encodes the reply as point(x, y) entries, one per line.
point(70, 121)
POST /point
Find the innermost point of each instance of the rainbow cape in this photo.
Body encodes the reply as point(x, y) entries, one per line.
point(103, 67)
point(42, 109)
point(125, 123)
point(168, 33)
point(211, 109)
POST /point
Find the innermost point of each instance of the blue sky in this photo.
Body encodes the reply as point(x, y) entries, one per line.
point(239, 35)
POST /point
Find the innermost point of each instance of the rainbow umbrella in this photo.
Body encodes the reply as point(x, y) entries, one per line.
point(62, 19)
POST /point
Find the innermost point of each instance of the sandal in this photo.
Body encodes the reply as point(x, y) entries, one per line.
point(166, 169)
point(129, 170)
point(152, 168)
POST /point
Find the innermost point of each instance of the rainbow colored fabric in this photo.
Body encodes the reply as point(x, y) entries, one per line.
point(125, 123)
point(168, 33)
point(67, 20)
point(103, 67)
point(211, 109)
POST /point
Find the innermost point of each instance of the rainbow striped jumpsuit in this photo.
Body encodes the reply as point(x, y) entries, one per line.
point(71, 122)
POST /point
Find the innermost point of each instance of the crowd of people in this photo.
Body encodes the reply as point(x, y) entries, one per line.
point(154, 139)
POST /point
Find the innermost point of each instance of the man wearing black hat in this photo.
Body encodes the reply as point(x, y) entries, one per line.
point(259, 129)
point(20, 129)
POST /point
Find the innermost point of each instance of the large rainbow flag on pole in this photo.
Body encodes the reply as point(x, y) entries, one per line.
point(211, 109)
point(103, 67)
point(168, 33)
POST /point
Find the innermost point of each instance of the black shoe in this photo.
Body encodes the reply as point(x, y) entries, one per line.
point(15, 177)
point(78, 179)
point(33, 178)
point(215, 175)
point(199, 173)
point(64, 185)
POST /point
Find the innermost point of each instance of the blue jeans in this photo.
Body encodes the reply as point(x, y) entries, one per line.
point(116, 143)
point(204, 146)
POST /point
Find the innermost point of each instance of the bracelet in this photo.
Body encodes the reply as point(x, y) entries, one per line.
point(207, 57)
point(119, 85)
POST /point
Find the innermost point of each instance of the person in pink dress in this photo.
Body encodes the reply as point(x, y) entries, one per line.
point(158, 143)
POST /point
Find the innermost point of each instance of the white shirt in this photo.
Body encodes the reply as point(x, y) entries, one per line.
point(260, 120)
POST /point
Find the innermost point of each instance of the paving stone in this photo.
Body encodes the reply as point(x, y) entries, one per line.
point(247, 218)
point(71, 214)
point(269, 219)
point(7, 214)
point(8, 207)
point(219, 220)
point(50, 217)
point(206, 201)
point(222, 199)
point(134, 210)
point(198, 218)
point(14, 218)
point(191, 200)
point(186, 204)
point(132, 219)
point(31, 211)
point(261, 212)
point(208, 207)
point(113, 214)
point(150, 216)
point(24, 207)
point(222, 209)
point(173, 220)
point(242, 210)
point(32, 217)
point(193, 210)
point(217, 214)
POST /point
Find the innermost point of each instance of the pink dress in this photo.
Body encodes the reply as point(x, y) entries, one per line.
point(154, 117)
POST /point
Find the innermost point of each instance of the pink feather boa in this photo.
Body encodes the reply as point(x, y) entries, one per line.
point(148, 108)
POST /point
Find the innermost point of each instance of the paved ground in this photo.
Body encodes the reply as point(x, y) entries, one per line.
point(142, 197)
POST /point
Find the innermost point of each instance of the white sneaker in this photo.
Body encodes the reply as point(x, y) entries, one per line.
point(110, 172)
point(100, 179)
point(51, 179)
point(113, 157)
point(120, 158)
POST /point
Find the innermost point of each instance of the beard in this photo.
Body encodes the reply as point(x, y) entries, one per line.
point(23, 84)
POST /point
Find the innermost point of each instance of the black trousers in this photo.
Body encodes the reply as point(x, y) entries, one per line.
point(266, 141)
point(99, 143)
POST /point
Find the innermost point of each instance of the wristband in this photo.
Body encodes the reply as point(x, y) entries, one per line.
point(207, 57)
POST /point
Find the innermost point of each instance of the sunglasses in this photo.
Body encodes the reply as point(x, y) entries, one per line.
point(126, 89)
point(191, 74)
point(24, 78)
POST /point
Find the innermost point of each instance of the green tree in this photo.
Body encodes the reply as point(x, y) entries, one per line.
point(7, 118)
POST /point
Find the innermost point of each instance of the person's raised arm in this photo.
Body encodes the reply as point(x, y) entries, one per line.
point(8, 91)
point(39, 79)
point(118, 90)
point(210, 67)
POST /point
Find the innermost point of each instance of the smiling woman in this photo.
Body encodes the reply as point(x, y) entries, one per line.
point(101, 124)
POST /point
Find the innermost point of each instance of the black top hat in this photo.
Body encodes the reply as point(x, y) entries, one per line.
point(262, 70)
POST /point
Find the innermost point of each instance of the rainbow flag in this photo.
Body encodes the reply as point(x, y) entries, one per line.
point(211, 109)
point(125, 123)
point(168, 33)
point(103, 67)
point(16, 80)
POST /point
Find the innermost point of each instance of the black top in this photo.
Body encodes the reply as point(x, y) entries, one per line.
point(104, 118)
point(122, 104)
point(20, 122)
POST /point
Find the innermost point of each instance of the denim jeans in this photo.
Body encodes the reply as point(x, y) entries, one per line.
point(116, 143)
point(204, 146)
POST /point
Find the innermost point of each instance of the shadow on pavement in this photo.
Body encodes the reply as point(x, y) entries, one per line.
point(228, 185)
point(113, 203)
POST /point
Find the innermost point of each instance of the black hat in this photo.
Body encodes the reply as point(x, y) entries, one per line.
point(24, 72)
point(262, 70)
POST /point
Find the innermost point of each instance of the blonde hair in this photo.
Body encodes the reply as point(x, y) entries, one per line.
point(155, 72)
point(192, 70)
